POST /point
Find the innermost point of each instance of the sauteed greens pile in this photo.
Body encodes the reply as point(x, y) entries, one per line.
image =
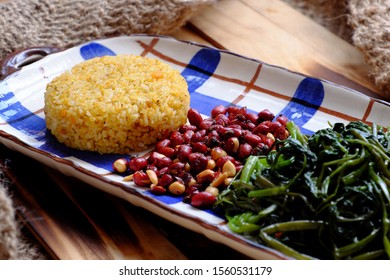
point(322, 196)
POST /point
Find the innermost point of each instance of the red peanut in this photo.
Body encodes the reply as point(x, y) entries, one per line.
point(202, 199)
point(265, 115)
point(137, 163)
point(201, 149)
point(194, 117)
point(218, 110)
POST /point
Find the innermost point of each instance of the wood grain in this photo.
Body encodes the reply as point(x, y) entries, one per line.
point(275, 33)
point(73, 220)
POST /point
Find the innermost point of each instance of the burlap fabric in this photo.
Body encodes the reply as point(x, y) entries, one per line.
point(27, 23)
point(370, 21)
point(13, 245)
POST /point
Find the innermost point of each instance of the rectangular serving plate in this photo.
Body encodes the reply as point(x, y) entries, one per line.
point(214, 77)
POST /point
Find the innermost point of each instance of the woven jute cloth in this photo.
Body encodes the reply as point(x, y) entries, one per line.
point(59, 23)
point(370, 21)
point(13, 244)
point(26, 23)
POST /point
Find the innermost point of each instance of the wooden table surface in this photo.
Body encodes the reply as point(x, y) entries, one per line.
point(59, 211)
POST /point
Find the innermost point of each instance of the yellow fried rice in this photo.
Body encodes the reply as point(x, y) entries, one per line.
point(116, 104)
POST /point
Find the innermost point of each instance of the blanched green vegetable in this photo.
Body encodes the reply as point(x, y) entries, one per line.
point(325, 196)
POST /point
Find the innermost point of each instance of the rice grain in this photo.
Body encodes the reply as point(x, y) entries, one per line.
point(116, 104)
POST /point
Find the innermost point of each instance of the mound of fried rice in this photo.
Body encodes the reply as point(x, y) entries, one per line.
point(116, 104)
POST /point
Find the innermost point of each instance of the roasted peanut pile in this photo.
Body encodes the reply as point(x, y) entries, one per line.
point(203, 156)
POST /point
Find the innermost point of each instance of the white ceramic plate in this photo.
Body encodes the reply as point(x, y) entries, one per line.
point(214, 77)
